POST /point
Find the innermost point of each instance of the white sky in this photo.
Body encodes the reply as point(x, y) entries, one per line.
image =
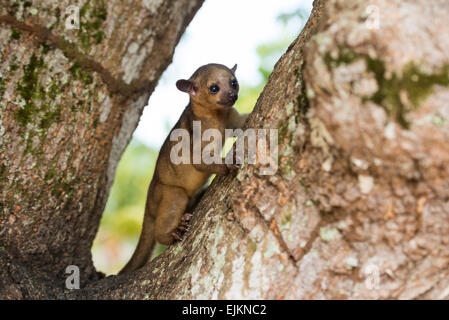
point(225, 32)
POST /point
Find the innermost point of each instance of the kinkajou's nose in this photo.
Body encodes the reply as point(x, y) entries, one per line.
point(232, 95)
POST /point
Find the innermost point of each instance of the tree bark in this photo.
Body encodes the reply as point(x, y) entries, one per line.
point(359, 207)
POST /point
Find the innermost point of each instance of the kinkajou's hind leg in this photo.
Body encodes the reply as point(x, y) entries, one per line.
point(191, 206)
point(169, 213)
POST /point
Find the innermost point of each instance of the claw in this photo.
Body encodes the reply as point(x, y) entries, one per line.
point(186, 217)
point(233, 167)
point(182, 227)
point(176, 235)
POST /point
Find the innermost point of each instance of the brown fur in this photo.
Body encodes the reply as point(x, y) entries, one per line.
point(173, 187)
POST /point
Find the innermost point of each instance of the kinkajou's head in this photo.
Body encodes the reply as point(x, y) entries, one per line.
point(213, 85)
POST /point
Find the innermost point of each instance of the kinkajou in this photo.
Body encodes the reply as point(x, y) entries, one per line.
point(213, 91)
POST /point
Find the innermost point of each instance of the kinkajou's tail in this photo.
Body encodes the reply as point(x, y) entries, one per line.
point(145, 246)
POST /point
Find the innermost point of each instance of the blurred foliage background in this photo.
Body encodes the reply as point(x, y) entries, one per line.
point(122, 218)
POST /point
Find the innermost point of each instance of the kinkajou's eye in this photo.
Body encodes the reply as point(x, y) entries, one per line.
point(214, 89)
point(234, 84)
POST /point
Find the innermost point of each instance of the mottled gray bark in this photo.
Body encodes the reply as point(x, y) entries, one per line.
point(359, 207)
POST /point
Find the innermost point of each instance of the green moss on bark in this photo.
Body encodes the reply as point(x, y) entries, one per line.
point(80, 74)
point(416, 84)
point(37, 104)
point(2, 85)
point(302, 100)
point(50, 117)
point(92, 16)
point(400, 93)
point(15, 34)
point(28, 88)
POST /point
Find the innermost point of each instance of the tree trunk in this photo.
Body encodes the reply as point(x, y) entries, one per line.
point(359, 207)
point(70, 101)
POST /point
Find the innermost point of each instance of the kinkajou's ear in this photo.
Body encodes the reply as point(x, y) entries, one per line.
point(185, 86)
point(234, 68)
